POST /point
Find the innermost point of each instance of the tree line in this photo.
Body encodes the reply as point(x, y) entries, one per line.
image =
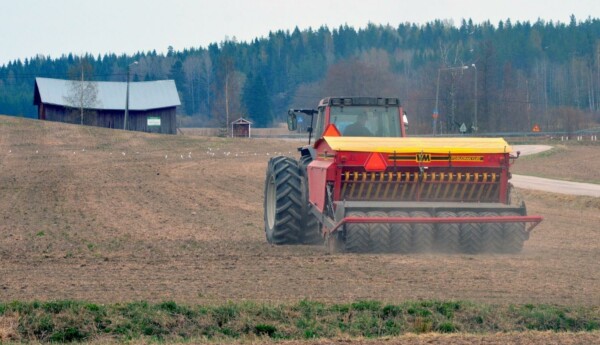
point(491, 77)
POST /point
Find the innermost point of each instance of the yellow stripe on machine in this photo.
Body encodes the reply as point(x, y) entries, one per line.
point(412, 145)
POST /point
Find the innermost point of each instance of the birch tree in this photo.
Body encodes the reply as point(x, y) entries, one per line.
point(82, 95)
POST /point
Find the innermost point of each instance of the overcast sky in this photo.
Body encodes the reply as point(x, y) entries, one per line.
point(56, 27)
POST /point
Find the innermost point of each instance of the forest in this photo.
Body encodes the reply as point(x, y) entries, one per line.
point(494, 78)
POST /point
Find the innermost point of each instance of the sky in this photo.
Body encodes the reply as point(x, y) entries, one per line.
point(56, 27)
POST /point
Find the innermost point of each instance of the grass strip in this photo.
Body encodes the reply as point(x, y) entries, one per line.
point(77, 321)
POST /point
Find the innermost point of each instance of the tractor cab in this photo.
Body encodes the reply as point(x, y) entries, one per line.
point(355, 116)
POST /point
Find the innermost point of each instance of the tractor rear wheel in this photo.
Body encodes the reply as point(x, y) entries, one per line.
point(448, 234)
point(400, 234)
point(514, 235)
point(283, 201)
point(357, 235)
point(423, 233)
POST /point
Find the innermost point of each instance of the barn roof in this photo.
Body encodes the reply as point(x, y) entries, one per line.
point(111, 95)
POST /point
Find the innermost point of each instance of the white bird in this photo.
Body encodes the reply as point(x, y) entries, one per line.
point(165, 156)
point(123, 153)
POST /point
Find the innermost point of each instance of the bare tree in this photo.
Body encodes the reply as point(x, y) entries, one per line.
point(356, 78)
point(82, 94)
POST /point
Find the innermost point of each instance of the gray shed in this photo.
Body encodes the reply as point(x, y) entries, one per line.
point(152, 104)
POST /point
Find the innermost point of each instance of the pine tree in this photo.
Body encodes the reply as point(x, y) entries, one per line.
point(256, 100)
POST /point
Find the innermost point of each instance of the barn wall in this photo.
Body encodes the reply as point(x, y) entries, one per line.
point(137, 120)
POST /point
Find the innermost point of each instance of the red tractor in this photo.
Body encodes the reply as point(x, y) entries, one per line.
point(366, 187)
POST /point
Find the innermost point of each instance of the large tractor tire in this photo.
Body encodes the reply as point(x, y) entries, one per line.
point(514, 235)
point(423, 233)
point(470, 234)
point(379, 234)
point(491, 235)
point(448, 235)
point(310, 228)
point(283, 201)
point(357, 235)
point(400, 234)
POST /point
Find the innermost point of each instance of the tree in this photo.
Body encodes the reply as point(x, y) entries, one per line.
point(356, 78)
point(257, 102)
point(82, 94)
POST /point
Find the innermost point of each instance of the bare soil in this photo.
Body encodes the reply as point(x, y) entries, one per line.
point(112, 216)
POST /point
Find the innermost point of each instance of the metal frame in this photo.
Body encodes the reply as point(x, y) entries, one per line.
point(534, 220)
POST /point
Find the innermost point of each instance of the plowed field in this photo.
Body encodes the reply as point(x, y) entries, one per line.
point(107, 216)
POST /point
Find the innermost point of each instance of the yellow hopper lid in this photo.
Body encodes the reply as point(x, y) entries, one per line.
point(457, 145)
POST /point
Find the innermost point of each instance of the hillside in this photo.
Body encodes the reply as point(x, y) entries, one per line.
point(111, 216)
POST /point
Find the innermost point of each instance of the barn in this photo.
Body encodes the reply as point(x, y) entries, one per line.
point(152, 104)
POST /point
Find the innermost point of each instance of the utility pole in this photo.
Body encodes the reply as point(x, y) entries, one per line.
point(475, 126)
point(81, 95)
point(127, 96)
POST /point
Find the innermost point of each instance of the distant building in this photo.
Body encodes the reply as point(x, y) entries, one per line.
point(241, 128)
point(152, 104)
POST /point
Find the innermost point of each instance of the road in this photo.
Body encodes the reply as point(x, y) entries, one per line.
point(550, 185)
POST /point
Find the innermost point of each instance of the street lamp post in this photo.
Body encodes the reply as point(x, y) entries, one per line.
point(475, 128)
point(437, 92)
point(127, 96)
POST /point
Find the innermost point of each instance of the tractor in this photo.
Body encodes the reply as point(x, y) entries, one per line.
point(365, 187)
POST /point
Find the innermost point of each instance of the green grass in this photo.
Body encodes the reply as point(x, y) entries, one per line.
point(76, 321)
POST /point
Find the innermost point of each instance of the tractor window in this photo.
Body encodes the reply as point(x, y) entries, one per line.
point(366, 121)
point(318, 123)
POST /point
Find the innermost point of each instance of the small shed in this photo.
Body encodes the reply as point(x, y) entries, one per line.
point(152, 104)
point(241, 128)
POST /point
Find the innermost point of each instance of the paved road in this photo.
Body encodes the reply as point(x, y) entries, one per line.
point(549, 185)
point(530, 149)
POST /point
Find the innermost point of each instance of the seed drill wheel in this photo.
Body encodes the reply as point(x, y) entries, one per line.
point(310, 232)
point(283, 201)
point(379, 233)
point(357, 235)
point(470, 234)
point(448, 235)
point(423, 233)
point(400, 234)
point(491, 235)
point(514, 235)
